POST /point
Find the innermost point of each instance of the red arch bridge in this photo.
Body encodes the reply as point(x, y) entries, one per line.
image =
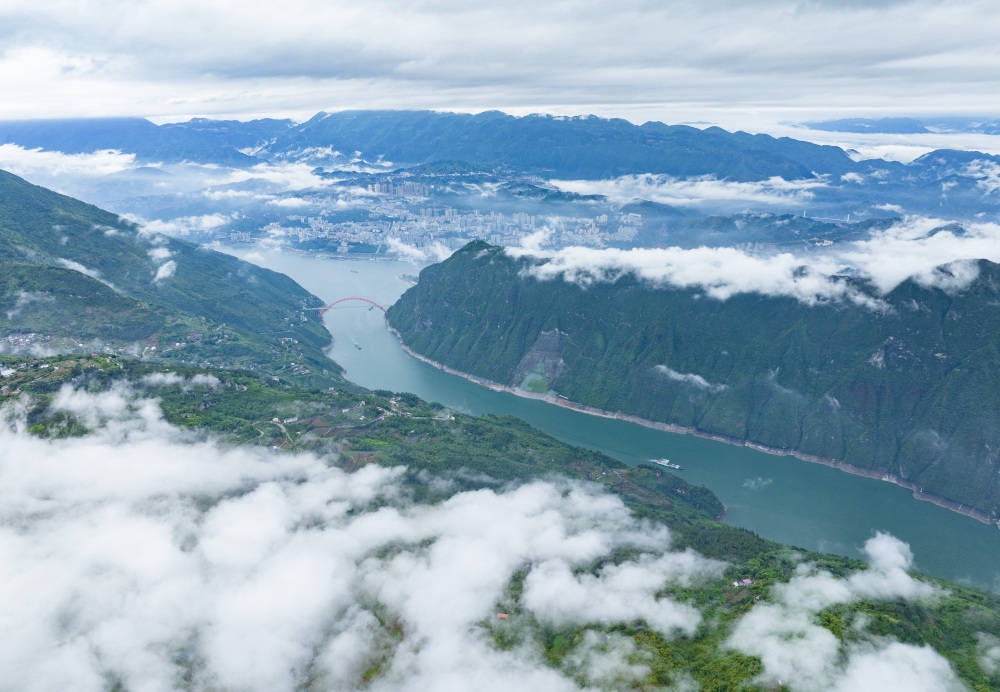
point(322, 311)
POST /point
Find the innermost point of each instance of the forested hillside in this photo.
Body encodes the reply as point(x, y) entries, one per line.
point(909, 391)
point(74, 277)
point(753, 605)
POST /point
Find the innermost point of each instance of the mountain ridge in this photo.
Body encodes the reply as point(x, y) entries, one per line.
point(907, 394)
point(586, 146)
point(62, 258)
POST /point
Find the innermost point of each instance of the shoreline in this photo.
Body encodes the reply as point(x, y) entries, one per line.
point(917, 494)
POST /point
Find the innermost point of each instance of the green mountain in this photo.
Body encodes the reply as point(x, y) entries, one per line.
point(584, 147)
point(74, 277)
point(910, 393)
point(441, 454)
point(587, 147)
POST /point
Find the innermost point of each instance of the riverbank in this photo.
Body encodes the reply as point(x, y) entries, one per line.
point(942, 502)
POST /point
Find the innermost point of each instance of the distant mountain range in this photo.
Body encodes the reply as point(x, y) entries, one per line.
point(584, 147)
point(909, 393)
point(198, 140)
point(986, 126)
point(76, 278)
point(516, 162)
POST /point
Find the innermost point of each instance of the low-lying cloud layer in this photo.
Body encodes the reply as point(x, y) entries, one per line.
point(923, 249)
point(53, 165)
point(687, 192)
point(139, 554)
point(182, 226)
point(798, 652)
point(435, 252)
point(689, 378)
point(143, 555)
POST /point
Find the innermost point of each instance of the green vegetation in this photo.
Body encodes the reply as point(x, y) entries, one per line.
point(76, 278)
point(393, 429)
point(911, 391)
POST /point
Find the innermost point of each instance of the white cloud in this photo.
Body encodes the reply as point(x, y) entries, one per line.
point(49, 165)
point(165, 271)
point(895, 208)
point(161, 255)
point(890, 147)
point(92, 273)
point(665, 189)
point(719, 272)
point(633, 56)
point(232, 194)
point(986, 173)
point(289, 176)
point(898, 667)
point(855, 178)
point(182, 225)
point(168, 379)
point(95, 409)
point(77, 267)
point(689, 378)
point(158, 254)
point(797, 651)
point(618, 593)
point(912, 248)
point(988, 653)
point(290, 202)
point(604, 659)
point(435, 252)
point(141, 553)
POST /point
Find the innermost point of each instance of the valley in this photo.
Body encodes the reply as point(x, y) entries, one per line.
point(475, 347)
point(425, 443)
point(889, 383)
point(778, 497)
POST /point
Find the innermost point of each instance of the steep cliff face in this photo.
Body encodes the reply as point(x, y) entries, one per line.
point(542, 363)
point(912, 391)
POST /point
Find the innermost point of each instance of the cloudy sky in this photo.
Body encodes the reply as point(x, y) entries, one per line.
point(732, 62)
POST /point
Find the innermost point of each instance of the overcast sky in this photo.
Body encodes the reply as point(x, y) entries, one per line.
point(744, 62)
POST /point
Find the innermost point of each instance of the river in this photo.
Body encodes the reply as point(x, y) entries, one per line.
point(782, 498)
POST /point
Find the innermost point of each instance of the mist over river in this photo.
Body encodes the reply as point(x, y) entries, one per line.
point(781, 498)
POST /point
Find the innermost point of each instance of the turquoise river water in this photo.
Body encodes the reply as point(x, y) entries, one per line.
point(782, 498)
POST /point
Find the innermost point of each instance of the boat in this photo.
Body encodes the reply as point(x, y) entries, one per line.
point(356, 344)
point(668, 464)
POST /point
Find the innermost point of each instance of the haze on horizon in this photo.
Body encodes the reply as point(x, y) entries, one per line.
point(745, 64)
